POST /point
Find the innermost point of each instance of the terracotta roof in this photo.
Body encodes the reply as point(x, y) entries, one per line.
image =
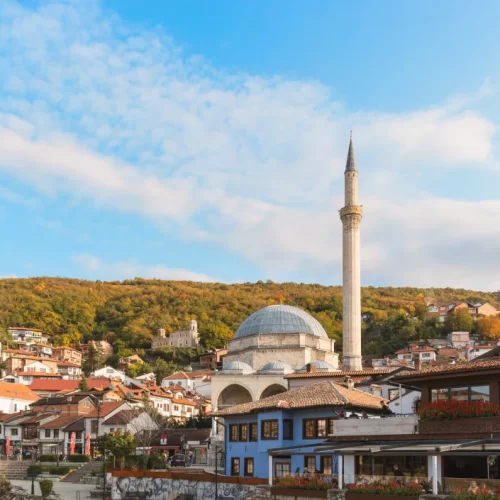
point(123, 417)
point(76, 425)
point(341, 374)
point(471, 366)
point(416, 349)
point(37, 418)
point(54, 385)
point(39, 374)
point(183, 402)
point(60, 422)
point(6, 416)
point(17, 391)
point(448, 352)
point(27, 328)
point(67, 363)
point(322, 394)
point(189, 375)
point(106, 408)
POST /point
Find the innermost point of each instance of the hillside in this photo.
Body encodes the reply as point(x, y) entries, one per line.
point(133, 310)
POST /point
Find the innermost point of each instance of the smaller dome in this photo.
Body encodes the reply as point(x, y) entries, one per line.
point(320, 365)
point(277, 365)
point(238, 365)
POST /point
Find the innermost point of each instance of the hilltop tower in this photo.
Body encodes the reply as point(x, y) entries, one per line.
point(351, 216)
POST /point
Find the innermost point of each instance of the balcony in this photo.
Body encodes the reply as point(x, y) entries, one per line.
point(390, 425)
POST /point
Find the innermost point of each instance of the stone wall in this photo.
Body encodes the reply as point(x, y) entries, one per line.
point(169, 488)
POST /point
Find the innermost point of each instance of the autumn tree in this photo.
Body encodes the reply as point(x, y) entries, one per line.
point(489, 327)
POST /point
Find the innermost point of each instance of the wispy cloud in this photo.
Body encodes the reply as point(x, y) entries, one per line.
point(130, 269)
point(119, 117)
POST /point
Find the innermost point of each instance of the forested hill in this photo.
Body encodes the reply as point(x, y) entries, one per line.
point(133, 310)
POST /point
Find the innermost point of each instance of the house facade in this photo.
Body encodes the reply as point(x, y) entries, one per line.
point(260, 436)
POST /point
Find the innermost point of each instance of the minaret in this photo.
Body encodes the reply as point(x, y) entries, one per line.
point(351, 216)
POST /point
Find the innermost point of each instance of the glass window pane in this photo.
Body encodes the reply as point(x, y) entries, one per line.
point(439, 394)
point(480, 393)
point(321, 428)
point(459, 393)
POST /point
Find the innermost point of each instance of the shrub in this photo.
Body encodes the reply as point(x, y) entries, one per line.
point(394, 488)
point(453, 410)
point(79, 458)
point(48, 458)
point(156, 461)
point(34, 470)
point(481, 494)
point(46, 487)
point(303, 483)
point(59, 471)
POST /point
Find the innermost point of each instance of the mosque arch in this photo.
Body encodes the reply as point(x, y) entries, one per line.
point(272, 390)
point(234, 394)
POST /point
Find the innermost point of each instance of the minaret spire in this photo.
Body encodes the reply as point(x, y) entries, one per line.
point(351, 216)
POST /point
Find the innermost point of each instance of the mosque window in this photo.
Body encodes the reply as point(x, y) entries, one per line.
point(249, 466)
point(243, 432)
point(235, 466)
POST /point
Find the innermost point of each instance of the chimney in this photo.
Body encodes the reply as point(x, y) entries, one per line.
point(349, 382)
point(418, 364)
point(311, 368)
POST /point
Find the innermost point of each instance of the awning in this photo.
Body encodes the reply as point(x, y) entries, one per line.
point(428, 448)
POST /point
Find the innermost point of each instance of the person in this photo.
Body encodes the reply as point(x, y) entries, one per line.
point(297, 472)
point(19, 456)
point(190, 457)
point(473, 488)
point(307, 473)
point(397, 471)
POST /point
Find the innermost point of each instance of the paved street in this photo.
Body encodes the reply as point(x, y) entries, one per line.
point(68, 491)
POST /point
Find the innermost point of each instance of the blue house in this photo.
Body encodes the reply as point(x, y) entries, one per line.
point(277, 435)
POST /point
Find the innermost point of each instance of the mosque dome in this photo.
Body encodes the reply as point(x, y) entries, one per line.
point(280, 319)
point(277, 365)
point(238, 365)
point(320, 366)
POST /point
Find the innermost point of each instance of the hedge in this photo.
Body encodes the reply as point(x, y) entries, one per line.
point(79, 458)
point(59, 471)
point(34, 470)
point(48, 458)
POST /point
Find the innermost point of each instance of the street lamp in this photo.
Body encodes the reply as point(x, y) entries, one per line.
point(98, 403)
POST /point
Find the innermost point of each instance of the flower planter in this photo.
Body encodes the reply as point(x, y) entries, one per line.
point(299, 492)
point(369, 496)
point(479, 425)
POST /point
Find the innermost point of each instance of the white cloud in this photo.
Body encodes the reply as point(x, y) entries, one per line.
point(119, 117)
point(130, 269)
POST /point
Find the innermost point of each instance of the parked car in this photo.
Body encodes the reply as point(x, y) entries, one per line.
point(179, 461)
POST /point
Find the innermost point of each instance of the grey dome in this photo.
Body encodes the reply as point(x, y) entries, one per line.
point(277, 365)
point(320, 365)
point(238, 365)
point(280, 319)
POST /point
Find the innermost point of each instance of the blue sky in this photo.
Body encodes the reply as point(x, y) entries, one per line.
point(207, 140)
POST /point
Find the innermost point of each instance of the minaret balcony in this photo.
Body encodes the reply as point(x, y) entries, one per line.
point(351, 210)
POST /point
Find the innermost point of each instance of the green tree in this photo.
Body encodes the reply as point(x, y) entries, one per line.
point(163, 369)
point(459, 321)
point(138, 369)
point(83, 386)
point(94, 360)
point(120, 444)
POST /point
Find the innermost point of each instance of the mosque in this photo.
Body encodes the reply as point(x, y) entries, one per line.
point(281, 339)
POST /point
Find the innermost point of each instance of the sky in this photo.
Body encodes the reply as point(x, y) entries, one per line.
point(207, 140)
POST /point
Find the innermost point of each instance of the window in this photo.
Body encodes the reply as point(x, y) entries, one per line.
point(93, 426)
point(14, 432)
point(47, 433)
point(15, 408)
point(287, 428)
point(248, 471)
point(243, 432)
point(471, 393)
point(393, 394)
point(56, 433)
point(176, 407)
point(269, 429)
point(309, 428)
point(331, 426)
point(235, 466)
point(233, 432)
point(321, 427)
point(310, 462)
point(426, 354)
point(281, 469)
point(326, 465)
point(78, 435)
point(254, 432)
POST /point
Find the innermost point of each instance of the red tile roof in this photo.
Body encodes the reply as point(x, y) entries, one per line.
point(416, 349)
point(471, 366)
point(60, 422)
point(17, 391)
point(62, 385)
point(39, 374)
point(67, 363)
point(311, 396)
point(106, 408)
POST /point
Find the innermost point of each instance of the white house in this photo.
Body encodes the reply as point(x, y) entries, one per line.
point(474, 351)
point(199, 382)
point(110, 372)
point(405, 404)
point(133, 421)
point(424, 353)
point(69, 371)
point(15, 397)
